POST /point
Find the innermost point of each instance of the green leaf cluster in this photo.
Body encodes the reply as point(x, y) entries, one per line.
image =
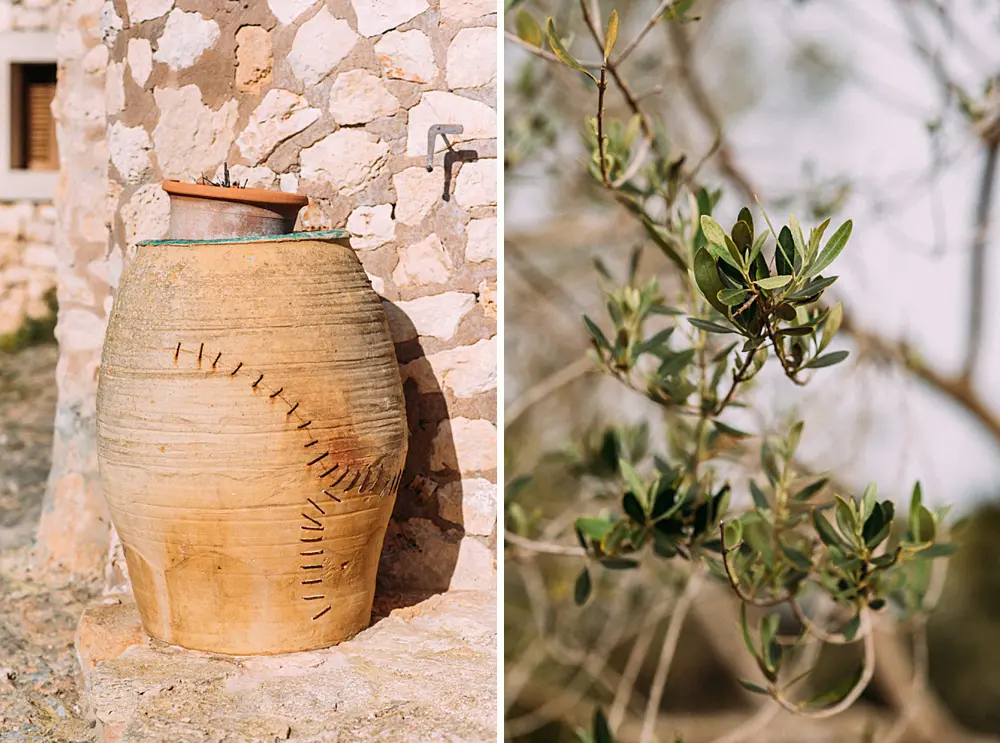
point(771, 301)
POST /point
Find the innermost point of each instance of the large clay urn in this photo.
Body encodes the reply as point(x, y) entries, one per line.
point(251, 436)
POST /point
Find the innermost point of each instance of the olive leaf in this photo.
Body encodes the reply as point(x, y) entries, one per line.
point(775, 282)
point(560, 51)
point(832, 249)
point(527, 28)
point(582, 588)
point(611, 34)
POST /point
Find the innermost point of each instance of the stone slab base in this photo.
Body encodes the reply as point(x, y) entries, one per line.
point(425, 673)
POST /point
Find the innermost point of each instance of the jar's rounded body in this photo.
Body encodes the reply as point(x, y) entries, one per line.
point(251, 436)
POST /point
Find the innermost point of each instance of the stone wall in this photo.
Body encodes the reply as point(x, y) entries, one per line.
point(73, 533)
point(27, 262)
point(27, 256)
point(29, 15)
point(334, 99)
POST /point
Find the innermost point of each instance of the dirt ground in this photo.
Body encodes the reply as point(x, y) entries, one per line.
point(27, 411)
point(39, 698)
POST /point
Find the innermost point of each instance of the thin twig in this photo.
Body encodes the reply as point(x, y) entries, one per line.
point(623, 87)
point(667, 652)
point(734, 580)
point(516, 676)
point(636, 163)
point(737, 380)
point(867, 671)
point(543, 548)
point(660, 10)
point(953, 388)
point(602, 144)
point(547, 386)
point(818, 632)
point(554, 707)
point(751, 725)
point(977, 261)
point(920, 669)
point(539, 52)
point(626, 685)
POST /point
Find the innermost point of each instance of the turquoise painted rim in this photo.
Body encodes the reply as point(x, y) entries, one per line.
point(317, 235)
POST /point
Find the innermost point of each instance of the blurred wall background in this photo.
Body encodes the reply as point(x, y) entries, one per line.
point(28, 164)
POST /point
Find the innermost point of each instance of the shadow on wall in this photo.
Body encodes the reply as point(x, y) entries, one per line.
point(421, 548)
point(451, 157)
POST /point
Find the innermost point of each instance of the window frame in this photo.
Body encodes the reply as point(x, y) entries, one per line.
point(22, 47)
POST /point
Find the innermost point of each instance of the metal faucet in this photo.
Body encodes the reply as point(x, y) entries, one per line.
point(432, 134)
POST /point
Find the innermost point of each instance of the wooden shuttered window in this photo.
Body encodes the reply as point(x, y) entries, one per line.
point(33, 128)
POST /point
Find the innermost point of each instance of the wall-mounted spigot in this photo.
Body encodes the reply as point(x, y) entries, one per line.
point(432, 134)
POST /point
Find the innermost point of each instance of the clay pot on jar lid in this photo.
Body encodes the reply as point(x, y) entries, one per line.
point(205, 212)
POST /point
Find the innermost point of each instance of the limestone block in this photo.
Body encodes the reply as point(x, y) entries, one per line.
point(129, 148)
point(280, 115)
point(465, 12)
point(475, 568)
point(476, 184)
point(358, 97)
point(184, 38)
point(423, 262)
point(481, 240)
point(109, 23)
point(417, 192)
point(488, 297)
point(286, 11)
point(436, 316)
point(472, 58)
point(190, 138)
point(471, 503)
point(466, 446)
point(407, 55)
point(147, 10)
point(348, 158)
point(319, 45)
point(465, 371)
point(253, 58)
point(146, 215)
point(80, 330)
point(371, 226)
point(114, 87)
point(377, 17)
point(140, 60)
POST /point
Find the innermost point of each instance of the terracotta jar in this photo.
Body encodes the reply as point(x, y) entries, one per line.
point(251, 436)
point(203, 212)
